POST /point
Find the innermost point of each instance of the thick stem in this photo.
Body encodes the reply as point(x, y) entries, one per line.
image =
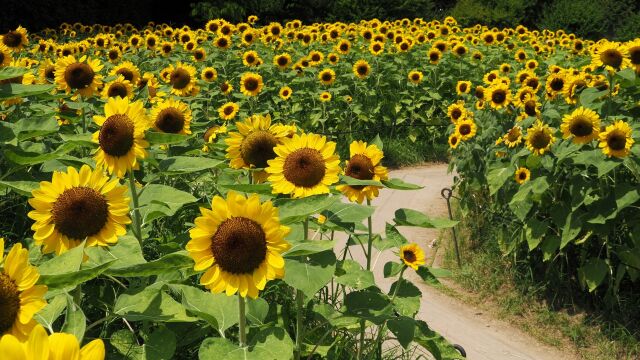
point(300, 303)
point(370, 239)
point(242, 321)
point(137, 226)
point(84, 115)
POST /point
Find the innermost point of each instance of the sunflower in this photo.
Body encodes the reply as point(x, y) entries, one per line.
point(333, 58)
point(166, 48)
point(81, 75)
point(46, 71)
point(226, 88)
point(172, 116)
point(149, 81)
point(325, 96)
point(466, 128)
point(305, 165)
point(211, 134)
point(522, 175)
point(228, 110)
point(434, 56)
point(513, 137)
point(76, 206)
point(119, 87)
point(21, 299)
point(575, 84)
point(463, 87)
point(633, 49)
point(114, 55)
point(582, 124)
point(251, 84)
point(327, 76)
point(459, 50)
point(554, 85)
point(412, 255)
point(376, 48)
point(239, 242)
point(121, 136)
point(456, 111)
point(611, 55)
point(209, 74)
point(38, 345)
point(343, 46)
point(222, 42)
point(520, 55)
point(15, 39)
point(251, 58)
point(498, 95)
point(182, 78)
point(616, 140)
point(285, 92)
point(128, 70)
point(540, 138)
point(364, 164)
point(361, 69)
point(415, 77)
point(454, 140)
point(282, 61)
point(199, 54)
point(5, 55)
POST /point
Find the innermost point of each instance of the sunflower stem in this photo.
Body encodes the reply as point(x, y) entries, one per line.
point(300, 303)
point(84, 115)
point(393, 297)
point(137, 226)
point(370, 238)
point(242, 321)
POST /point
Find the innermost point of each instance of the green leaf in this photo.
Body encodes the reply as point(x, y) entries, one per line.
point(403, 328)
point(257, 310)
point(346, 213)
point(72, 279)
point(10, 72)
point(159, 345)
point(296, 210)
point(409, 217)
point(50, 313)
point(399, 184)
point(64, 263)
point(393, 239)
point(263, 189)
point(571, 228)
point(20, 187)
point(369, 304)
point(497, 177)
point(75, 322)
point(125, 253)
point(348, 180)
point(35, 126)
point(407, 300)
point(310, 273)
point(186, 164)
point(392, 269)
point(10, 91)
point(377, 141)
point(154, 137)
point(150, 304)
point(535, 231)
point(269, 344)
point(593, 272)
point(353, 275)
point(168, 263)
point(626, 195)
point(157, 201)
point(309, 247)
point(589, 95)
point(219, 310)
point(23, 157)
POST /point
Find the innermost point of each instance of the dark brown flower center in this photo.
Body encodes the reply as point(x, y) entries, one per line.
point(530, 108)
point(117, 89)
point(116, 135)
point(617, 141)
point(456, 113)
point(409, 256)
point(282, 61)
point(224, 87)
point(363, 70)
point(251, 84)
point(415, 77)
point(222, 42)
point(250, 59)
point(522, 175)
point(113, 54)
point(434, 56)
point(199, 55)
point(540, 139)
point(9, 302)
point(326, 77)
point(304, 167)
point(257, 148)
point(360, 167)
point(228, 110)
point(634, 54)
point(498, 96)
point(611, 57)
point(126, 74)
point(80, 212)
point(12, 39)
point(532, 82)
point(49, 72)
point(170, 120)
point(513, 135)
point(464, 129)
point(453, 141)
point(239, 245)
point(208, 74)
point(463, 87)
point(557, 84)
point(180, 78)
point(78, 75)
point(581, 126)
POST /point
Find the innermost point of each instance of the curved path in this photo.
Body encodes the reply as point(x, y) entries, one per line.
point(483, 337)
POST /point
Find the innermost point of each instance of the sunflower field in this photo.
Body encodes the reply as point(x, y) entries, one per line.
point(201, 193)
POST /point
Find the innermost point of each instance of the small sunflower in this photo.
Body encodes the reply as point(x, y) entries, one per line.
point(554, 85)
point(327, 76)
point(305, 165)
point(239, 243)
point(415, 77)
point(222, 42)
point(211, 134)
point(582, 124)
point(513, 137)
point(456, 111)
point(616, 140)
point(285, 93)
point(522, 175)
point(454, 140)
point(325, 96)
point(540, 138)
point(81, 75)
point(199, 54)
point(498, 95)
point(376, 48)
point(128, 70)
point(121, 136)
point(463, 87)
point(78, 205)
point(226, 88)
point(228, 110)
point(20, 297)
point(361, 69)
point(251, 84)
point(343, 46)
point(466, 129)
point(172, 116)
point(119, 87)
point(364, 164)
point(47, 71)
point(282, 61)
point(182, 78)
point(251, 58)
point(209, 74)
point(412, 255)
point(38, 345)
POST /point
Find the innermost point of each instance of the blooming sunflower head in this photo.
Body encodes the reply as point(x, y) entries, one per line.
point(209, 74)
point(282, 61)
point(285, 92)
point(454, 140)
point(463, 87)
point(121, 136)
point(38, 345)
point(583, 125)
point(238, 243)
point(611, 55)
point(522, 175)
point(325, 96)
point(415, 77)
point(251, 83)
point(182, 78)
point(20, 297)
point(361, 69)
point(15, 39)
point(172, 116)
point(513, 137)
point(305, 165)
point(79, 76)
point(228, 110)
point(327, 76)
point(412, 255)
point(364, 164)
point(540, 138)
point(466, 129)
point(616, 140)
point(119, 87)
point(128, 70)
point(498, 95)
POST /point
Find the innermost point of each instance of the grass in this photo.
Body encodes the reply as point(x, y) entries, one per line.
point(498, 285)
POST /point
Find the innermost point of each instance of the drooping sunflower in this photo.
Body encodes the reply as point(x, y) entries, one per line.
point(583, 125)
point(540, 138)
point(119, 87)
point(239, 243)
point(121, 136)
point(498, 95)
point(182, 78)
point(513, 137)
point(38, 345)
point(364, 164)
point(305, 165)
point(81, 75)
point(20, 297)
point(285, 93)
point(15, 39)
point(412, 255)
point(251, 84)
point(616, 140)
point(76, 206)
point(209, 74)
point(463, 87)
point(171, 116)
point(612, 55)
point(361, 69)
point(466, 128)
point(128, 70)
point(327, 76)
point(522, 175)
point(228, 110)
point(415, 77)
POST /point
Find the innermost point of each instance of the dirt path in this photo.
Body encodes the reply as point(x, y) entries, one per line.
point(482, 337)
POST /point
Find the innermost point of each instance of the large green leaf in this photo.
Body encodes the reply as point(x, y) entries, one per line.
point(168, 263)
point(165, 138)
point(296, 210)
point(269, 344)
point(310, 273)
point(403, 328)
point(399, 184)
point(75, 322)
point(20, 187)
point(150, 304)
point(124, 254)
point(409, 217)
point(187, 164)
point(497, 177)
point(157, 201)
point(10, 72)
point(219, 310)
point(593, 272)
point(159, 345)
point(407, 300)
point(10, 91)
point(353, 275)
point(369, 304)
point(308, 247)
